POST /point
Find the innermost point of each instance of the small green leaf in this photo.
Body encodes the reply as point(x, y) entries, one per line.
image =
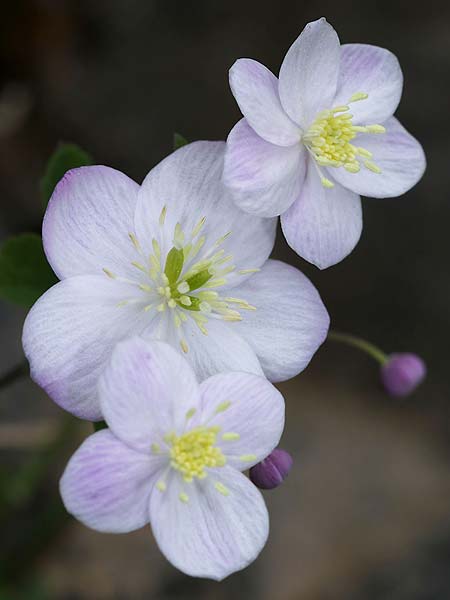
point(64, 158)
point(179, 141)
point(24, 271)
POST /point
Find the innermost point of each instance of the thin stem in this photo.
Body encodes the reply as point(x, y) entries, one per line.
point(14, 374)
point(361, 344)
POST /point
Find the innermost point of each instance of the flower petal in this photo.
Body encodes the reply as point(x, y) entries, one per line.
point(323, 225)
point(264, 179)
point(87, 222)
point(106, 485)
point(374, 71)
point(211, 535)
point(256, 91)
point(69, 335)
point(189, 184)
point(399, 156)
point(222, 349)
point(290, 321)
point(309, 72)
point(145, 392)
point(255, 414)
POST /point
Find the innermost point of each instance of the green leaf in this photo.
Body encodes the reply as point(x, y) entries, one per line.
point(179, 141)
point(24, 271)
point(64, 158)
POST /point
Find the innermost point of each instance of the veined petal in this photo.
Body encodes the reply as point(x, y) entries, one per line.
point(256, 91)
point(264, 179)
point(87, 222)
point(189, 184)
point(290, 321)
point(106, 485)
point(252, 419)
point(399, 156)
point(69, 335)
point(146, 391)
point(309, 72)
point(211, 535)
point(374, 71)
point(323, 225)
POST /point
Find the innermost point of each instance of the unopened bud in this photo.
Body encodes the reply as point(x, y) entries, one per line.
point(402, 373)
point(271, 471)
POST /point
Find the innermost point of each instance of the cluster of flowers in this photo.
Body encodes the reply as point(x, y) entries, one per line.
point(170, 321)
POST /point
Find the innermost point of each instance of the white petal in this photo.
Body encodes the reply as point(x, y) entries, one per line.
point(309, 72)
point(264, 179)
point(87, 222)
point(189, 183)
point(211, 535)
point(290, 321)
point(256, 91)
point(374, 71)
point(145, 392)
point(223, 349)
point(255, 414)
point(107, 485)
point(324, 224)
point(69, 335)
point(399, 156)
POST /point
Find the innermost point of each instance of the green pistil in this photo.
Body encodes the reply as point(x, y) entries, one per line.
point(199, 279)
point(174, 265)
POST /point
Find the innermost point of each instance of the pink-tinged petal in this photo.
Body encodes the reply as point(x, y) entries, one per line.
point(87, 222)
point(107, 485)
point(399, 156)
point(256, 91)
point(324, 224)
point(145, 392)
point(264, 179)
point(290, 321)
point(252, 425)
point(222, 349)
point(374, 71)
point(309, 73)
point(211, 535)
point(189, 184)
point(69, 335)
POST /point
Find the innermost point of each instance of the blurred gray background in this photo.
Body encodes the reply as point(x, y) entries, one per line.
point(364, 514)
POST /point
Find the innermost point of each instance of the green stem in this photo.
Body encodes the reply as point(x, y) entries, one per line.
point(14, 374)
point(357, 342)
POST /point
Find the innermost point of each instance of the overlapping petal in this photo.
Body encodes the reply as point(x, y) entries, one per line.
point(323, 225)
point(107, 485)
point(264, 179)
point(70, 333)
point(211, 535)
point(290, 321)
point(309, 73)
point(399, 156)
point(256, 91)
point(87, 222)
point(255, 413)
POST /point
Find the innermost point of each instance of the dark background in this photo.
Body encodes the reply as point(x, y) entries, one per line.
point(364, 514)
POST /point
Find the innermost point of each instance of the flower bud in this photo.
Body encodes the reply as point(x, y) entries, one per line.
point(271, 471)
point(402, 373)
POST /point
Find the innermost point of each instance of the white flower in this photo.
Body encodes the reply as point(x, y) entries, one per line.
point(174, 260)
point(317, 137)
point(173, 457)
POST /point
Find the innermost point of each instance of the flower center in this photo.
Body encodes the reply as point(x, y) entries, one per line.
point(329, 140)
point(181, 283)
point(195, 450)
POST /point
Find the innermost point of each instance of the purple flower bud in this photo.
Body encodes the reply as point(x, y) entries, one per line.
point(402, 373)
point(271, 471)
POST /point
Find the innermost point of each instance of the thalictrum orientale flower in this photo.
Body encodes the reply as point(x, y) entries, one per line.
point(316, 138)
point(174, 260)
point(173, 456)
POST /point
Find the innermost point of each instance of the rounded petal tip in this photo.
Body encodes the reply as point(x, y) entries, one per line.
point(403, 373)
point(272, 471)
